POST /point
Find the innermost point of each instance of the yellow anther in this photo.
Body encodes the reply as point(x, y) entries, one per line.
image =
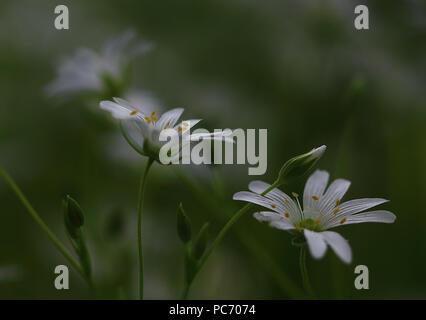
point(315, 197)
point(337, 202)
point(286, 201)
point(316, 221)
point(287, 215)
point(179, 129)
point(273, 206)
point(133, 112)
point(167, 125)
point(153, 117)
point(342, 221)
point(294, 194)
point(336, 210)
point(147, 119)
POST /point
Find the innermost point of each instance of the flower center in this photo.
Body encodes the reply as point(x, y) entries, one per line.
point(309, 224)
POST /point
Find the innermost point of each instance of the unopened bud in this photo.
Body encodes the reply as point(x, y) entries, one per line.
point(299, 165)
point(183, 225)
point(200, 243)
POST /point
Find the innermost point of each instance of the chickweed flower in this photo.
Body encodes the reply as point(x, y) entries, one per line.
point(105, 71)
point(322, 210)
point(142, 131)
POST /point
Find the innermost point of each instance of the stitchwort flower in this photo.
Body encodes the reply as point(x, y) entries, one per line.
point(106, 71)
point(322, 210)
point(142, 131)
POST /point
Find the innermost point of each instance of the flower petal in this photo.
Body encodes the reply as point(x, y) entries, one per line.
point(339, 245)
point(379, 216)
point(277, 196)
point(316, 243)
point(281, 224)
point(275, 220)
point(117, 111)
point(348, 208)
point(133, 134)
point(259, 200)
point(335, 192)
point(170, 117)
point(314, 188)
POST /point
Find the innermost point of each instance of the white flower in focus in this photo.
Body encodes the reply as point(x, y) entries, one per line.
point(142, 131)
point(322, 210)
point(88, 70)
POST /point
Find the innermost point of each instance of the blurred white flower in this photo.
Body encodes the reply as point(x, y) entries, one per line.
point(142, 130)
point(88, 70)
point(322, 210)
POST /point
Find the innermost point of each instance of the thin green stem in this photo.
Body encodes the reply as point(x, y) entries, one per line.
point(263, 258)
point(186, 290)
point(223, 231)
point(304, 272)
point(140, 205)
point(41, 223)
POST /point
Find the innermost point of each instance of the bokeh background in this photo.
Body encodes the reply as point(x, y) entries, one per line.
point(297, 68)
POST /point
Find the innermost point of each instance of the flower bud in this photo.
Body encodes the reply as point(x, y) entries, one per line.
point(200, 243)
point(183, 225)
point(73, 216)
point(299, 165)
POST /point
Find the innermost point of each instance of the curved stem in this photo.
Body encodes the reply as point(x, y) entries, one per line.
point(41, 223)
point(304, 271)
point(222, 233)
point(140, 204)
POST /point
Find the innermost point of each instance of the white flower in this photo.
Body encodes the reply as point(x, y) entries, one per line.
point(88, 70)
point(142, 131)
point(322, 210)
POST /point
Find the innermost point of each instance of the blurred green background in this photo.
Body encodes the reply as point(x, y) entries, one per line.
point(297, 68)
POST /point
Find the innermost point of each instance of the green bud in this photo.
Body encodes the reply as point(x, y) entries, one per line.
point(183, 225)
point(73, 216)
point(200, 243)
point(299, 165)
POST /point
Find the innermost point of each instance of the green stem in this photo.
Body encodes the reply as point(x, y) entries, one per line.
point(41, 223)
point(304, 271)
point(140, 204)
point(186, 290)
point(225, 229)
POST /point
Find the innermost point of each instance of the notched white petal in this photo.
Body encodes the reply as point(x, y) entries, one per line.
point(259, 200)
point(316, 243)
point(314, 189)
point(339, 245)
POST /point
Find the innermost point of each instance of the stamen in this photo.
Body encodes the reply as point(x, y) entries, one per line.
point(148, 119)
point(167, 125)
point(342, 221)
point(134, 112)
point(299, 229)
point(273, 206)
point(185, 124)
point(179, 129)
point(337, 202)
point(294, 194)
point(336, 210)
point(287, 215)
point(316, 221)
point(315, 197)
point(286, 201)
point(153, 117)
